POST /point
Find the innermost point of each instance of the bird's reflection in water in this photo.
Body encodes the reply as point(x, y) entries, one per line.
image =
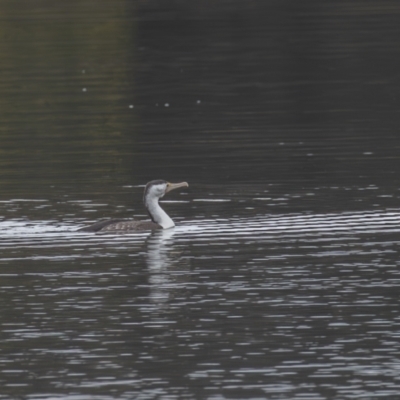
point(163, 261)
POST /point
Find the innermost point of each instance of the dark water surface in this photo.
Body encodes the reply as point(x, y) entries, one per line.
point(281, 279)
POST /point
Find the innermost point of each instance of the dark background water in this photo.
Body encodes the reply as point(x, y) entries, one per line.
point(281, 279)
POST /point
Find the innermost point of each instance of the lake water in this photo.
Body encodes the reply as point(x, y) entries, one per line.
point(281, 279)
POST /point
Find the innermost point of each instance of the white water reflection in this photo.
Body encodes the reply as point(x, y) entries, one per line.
point(334, 224)
point(233, 303)
point(45, 233)
point(159, 257)
point(238, 282)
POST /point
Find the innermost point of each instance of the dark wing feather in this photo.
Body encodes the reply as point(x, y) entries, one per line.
point(120, 225)
point(126, 226)
point(99, 225)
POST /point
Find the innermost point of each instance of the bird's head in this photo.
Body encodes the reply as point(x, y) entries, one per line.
point(158, 188)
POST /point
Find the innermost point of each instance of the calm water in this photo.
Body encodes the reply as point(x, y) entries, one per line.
point(281, 279)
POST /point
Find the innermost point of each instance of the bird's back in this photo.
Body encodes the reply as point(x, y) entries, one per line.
point(120, 225)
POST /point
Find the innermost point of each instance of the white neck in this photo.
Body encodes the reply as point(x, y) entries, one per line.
point(157, 214)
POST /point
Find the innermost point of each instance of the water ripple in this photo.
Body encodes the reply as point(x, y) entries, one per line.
point(237, 305)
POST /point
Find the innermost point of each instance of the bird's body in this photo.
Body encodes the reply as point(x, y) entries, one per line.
point(112, 225)
point(153, 191)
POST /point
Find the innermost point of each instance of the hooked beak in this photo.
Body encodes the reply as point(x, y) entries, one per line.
point(172, 186)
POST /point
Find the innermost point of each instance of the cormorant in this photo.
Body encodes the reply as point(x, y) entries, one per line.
point(153, 191)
